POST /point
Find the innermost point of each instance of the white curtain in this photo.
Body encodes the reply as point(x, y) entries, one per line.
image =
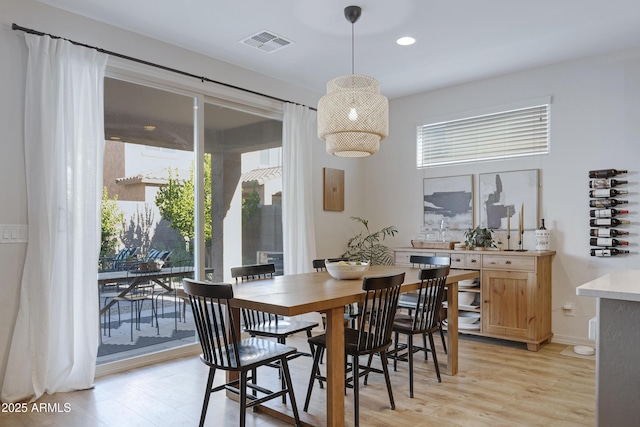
point(55, 339)
point(298, 231)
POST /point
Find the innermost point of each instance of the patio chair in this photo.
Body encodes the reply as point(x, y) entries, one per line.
point(176, 294)
point(136, 298)
point(158, 256)
point(119, 261)
point(222, 349)
point(122, 261)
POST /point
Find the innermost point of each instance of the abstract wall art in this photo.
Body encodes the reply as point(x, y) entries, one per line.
point(449, 198)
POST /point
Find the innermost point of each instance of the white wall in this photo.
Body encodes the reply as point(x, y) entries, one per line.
point(595, 124)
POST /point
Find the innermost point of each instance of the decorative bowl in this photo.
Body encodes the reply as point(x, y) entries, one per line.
point(347, 270)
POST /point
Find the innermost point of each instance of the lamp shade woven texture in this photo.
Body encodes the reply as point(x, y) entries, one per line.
point(353, 117)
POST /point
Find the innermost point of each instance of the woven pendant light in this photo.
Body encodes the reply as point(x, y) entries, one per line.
point(353, 117)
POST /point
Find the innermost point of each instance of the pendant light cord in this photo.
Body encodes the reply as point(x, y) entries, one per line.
point(353, 61)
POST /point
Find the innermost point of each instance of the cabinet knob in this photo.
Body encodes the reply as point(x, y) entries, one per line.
point(507, 262)
point(474, 260)
point(457, 260)
point(486, 301)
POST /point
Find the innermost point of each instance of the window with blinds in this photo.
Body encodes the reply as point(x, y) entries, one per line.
point(507, 134)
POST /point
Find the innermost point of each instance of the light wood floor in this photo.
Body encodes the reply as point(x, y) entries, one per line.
point(499, 384)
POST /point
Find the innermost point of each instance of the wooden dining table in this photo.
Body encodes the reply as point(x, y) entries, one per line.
point(296, 294)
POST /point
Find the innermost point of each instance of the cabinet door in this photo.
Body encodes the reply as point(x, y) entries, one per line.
point(507, 303)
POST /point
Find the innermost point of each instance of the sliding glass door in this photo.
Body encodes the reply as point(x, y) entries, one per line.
point(193, 180)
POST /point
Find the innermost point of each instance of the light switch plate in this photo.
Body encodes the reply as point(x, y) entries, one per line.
point(13, 233)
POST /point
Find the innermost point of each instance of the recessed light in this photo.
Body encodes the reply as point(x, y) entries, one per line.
point(149, 128)
point(406, 41)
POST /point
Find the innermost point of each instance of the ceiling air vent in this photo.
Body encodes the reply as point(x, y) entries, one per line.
point(266, 41)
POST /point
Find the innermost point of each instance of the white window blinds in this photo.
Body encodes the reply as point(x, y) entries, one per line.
point(513, 133)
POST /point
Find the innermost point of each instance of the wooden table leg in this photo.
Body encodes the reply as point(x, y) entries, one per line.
point(335, 367)
point(232, 376)
point(452, 329)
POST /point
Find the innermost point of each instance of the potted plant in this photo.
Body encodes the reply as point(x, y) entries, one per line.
point(480, 238)
point(366, 247)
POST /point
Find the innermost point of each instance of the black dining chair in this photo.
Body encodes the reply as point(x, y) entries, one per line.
point(425, 320)
point(264, 324)
point(373, 336)
point(408, 300)
point(268, 325)
point(351, 310)
point(222, 349)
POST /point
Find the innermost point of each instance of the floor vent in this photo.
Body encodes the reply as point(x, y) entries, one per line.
point(266, 41)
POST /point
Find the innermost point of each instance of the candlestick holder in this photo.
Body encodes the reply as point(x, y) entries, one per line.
point(508, 243)
point(521, 243)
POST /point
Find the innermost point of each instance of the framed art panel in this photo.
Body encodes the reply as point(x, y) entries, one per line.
point(449, 198)
point(333, 189)
point(509, 194)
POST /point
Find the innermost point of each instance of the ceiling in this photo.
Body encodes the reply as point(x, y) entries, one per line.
point(144, 115)
point(457, 41)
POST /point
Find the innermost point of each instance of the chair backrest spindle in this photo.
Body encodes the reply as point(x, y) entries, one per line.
point(320, 264)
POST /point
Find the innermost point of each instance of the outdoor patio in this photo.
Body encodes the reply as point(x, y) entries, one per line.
point(148, 339)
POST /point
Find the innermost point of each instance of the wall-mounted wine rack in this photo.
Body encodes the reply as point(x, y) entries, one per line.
point(606, 216)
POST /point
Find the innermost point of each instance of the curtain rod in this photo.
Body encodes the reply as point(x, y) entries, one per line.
point(16, 27)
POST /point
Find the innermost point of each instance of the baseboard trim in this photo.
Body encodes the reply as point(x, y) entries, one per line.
point(569, 340)
point(147, 359)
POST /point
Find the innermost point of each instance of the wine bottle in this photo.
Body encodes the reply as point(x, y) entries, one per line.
point(607, 213)
point(607, 232)
point(606, 183)
point(607, 222)
point(605, 173)
point(608, 252)
point(607, 241)
point(606, 192)
point(606, 203)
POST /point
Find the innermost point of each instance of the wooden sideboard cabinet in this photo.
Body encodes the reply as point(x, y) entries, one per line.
point(514, 292)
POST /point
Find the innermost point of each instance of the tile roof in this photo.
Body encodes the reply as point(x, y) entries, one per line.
point(159, 176)
point(262, 175)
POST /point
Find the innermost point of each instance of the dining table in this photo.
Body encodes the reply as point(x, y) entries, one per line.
point(296, 294)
